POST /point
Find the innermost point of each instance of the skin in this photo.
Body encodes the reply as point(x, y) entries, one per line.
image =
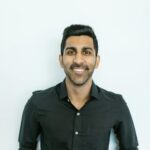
point(79, 61)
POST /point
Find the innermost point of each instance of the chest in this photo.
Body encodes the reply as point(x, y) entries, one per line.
point(90, 119)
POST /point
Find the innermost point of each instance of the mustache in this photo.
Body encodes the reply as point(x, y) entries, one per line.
point(75, 65)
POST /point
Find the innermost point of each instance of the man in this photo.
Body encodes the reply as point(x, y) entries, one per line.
point(77, 114)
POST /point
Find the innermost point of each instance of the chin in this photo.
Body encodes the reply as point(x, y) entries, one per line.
point(79, 83)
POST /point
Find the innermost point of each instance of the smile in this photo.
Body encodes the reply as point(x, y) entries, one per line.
point(78, 70)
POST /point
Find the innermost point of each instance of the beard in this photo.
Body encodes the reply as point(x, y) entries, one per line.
point(79, 79)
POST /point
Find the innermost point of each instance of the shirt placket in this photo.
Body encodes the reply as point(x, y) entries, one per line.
point(77, 131)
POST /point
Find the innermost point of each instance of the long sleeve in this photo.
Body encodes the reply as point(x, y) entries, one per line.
point(29, 129)
point(125, 129)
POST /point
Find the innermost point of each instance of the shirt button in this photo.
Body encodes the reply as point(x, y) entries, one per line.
point(76, 132)
point(78, 114)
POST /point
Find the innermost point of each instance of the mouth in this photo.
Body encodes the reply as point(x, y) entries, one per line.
point(79, 71)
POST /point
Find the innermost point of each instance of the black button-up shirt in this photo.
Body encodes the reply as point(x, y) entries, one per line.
point(61, 126)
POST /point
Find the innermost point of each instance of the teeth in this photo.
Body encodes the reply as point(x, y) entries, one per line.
point(78, 70)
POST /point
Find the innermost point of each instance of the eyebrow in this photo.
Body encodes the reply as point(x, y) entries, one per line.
point(86, 47)
point(70, 47)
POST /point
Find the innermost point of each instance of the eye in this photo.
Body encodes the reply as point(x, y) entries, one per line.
point(70, 52)
point(87, 52)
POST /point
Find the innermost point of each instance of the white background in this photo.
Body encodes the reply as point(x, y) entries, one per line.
point(30, 36)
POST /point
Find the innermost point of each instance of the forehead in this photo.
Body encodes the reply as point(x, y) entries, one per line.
point(82, 40)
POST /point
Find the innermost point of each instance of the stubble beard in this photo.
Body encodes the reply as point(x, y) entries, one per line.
point(77, 82)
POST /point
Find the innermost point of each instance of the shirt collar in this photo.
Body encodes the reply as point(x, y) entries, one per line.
point(63, 91)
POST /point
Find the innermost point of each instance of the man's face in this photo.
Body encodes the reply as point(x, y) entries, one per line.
point(79, 59)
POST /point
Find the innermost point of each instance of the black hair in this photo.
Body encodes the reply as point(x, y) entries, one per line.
point(77, 30)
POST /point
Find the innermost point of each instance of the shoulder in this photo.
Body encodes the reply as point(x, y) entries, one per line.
point(109, 94)
point(111, 97)
point(44, 97)
point(43, 93)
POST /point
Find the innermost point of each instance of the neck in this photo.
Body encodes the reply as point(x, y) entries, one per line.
point(78, 93)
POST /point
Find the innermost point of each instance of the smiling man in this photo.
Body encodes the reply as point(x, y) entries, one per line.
point(76, 114)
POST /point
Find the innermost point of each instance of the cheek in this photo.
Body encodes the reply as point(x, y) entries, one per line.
point(67, 61)
point(66, 64)
point(92, 63)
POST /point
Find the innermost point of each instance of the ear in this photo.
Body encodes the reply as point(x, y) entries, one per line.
point(61, 60)
point(97, 61)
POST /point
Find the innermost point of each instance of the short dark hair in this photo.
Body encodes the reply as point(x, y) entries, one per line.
point(77, 30)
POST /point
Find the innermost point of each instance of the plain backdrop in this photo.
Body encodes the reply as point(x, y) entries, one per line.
point(30, 36)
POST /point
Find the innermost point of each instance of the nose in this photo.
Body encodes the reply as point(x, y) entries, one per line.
point(78, 59)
